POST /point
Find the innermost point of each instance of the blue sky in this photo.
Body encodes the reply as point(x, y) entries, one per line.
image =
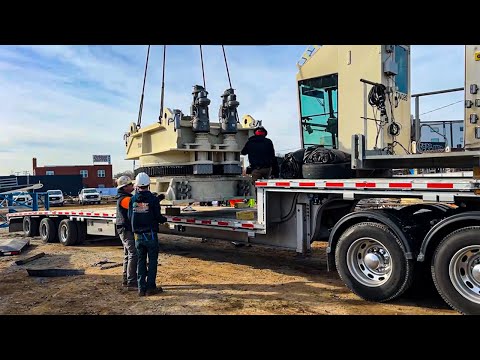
point(62, 104)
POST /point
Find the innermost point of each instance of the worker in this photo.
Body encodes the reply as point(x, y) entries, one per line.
point(124, 229)
point(261, 155)
point(144, 214)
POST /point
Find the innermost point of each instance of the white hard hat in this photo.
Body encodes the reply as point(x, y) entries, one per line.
point(142, 179)
point(123, 181)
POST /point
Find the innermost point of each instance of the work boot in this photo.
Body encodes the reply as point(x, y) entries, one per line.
point(154, 291)
point(132, 287)
point(141, 293)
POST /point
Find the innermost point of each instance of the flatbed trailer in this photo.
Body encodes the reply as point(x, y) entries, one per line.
point(377, 252)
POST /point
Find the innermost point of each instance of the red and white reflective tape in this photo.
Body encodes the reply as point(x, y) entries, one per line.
point(374, 184)
point(210, 222)
point(111, 215)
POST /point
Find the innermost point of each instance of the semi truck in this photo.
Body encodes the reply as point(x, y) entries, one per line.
point(377, 252)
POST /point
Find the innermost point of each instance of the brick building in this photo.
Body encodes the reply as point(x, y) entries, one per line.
point(95, 176)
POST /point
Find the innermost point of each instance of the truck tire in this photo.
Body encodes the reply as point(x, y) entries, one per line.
point(67, 232)
point(30, 226)
point(48, 230)
point(456, 270)
point(326, 171)
point(372, 263)
point(81, 231)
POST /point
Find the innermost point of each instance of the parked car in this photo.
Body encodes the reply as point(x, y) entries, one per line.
point(55, 197)
point(23, 198)
point(89, 196)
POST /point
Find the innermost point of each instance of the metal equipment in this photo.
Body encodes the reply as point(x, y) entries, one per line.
point(189, 157)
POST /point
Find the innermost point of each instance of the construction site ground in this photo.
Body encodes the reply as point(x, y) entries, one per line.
point(210, 277)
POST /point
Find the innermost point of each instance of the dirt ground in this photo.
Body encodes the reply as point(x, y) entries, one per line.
point(212, 277)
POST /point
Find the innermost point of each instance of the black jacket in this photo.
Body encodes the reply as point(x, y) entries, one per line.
point(122, 213)
point(144, 213)
point(260, 151)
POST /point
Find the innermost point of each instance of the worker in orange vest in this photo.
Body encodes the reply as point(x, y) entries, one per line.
point(124, 229)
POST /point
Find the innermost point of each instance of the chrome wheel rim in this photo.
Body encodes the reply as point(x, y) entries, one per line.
point(63, 233)
point(369, 262)
point(464, 272)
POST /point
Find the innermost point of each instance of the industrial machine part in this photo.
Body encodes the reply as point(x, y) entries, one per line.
point(172, 153)
point(228, 114)
point(199, 110)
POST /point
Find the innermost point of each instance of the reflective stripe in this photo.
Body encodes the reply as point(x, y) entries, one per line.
point(125, 202)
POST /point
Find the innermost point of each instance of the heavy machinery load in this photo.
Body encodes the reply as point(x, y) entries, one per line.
point(191, 158)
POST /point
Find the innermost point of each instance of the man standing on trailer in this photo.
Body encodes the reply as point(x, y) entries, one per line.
point(124, 230)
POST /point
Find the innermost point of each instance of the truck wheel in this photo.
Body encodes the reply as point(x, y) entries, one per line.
point(81, 231)
point(30, 226)
point(67, 232)
point(48, 230)
point(372, 263)
point(456, 270)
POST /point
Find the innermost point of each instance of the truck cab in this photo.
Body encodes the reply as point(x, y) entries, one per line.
point(89, 196)
point(55, 197)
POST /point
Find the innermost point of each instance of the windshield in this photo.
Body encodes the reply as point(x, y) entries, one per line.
point(89, 191)
point(55, 192)
point(319, 111)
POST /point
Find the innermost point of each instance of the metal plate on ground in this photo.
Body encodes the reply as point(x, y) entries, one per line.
point(55, 272)
point(12, 246)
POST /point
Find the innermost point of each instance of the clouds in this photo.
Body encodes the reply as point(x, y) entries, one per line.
point(63, 104)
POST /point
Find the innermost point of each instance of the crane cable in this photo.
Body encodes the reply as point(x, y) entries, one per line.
point(163, 85)
point(226, 65)
point(203, 71)
point(140, 110)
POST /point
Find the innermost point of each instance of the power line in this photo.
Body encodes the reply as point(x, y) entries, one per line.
point(442, 107)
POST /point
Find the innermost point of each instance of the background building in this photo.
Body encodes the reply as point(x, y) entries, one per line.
point(449, 133)
point(95, 176)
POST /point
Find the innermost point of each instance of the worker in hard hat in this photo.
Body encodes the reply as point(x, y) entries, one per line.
point(144, 214)
point(261, 155)
point(124, 229)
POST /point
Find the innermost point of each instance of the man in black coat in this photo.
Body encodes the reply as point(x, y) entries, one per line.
point(261, 155)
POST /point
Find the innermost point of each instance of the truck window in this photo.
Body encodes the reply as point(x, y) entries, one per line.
point(401, 79)
point(319, 111)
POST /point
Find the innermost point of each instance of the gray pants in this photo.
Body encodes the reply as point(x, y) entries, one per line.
point(130, 258)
